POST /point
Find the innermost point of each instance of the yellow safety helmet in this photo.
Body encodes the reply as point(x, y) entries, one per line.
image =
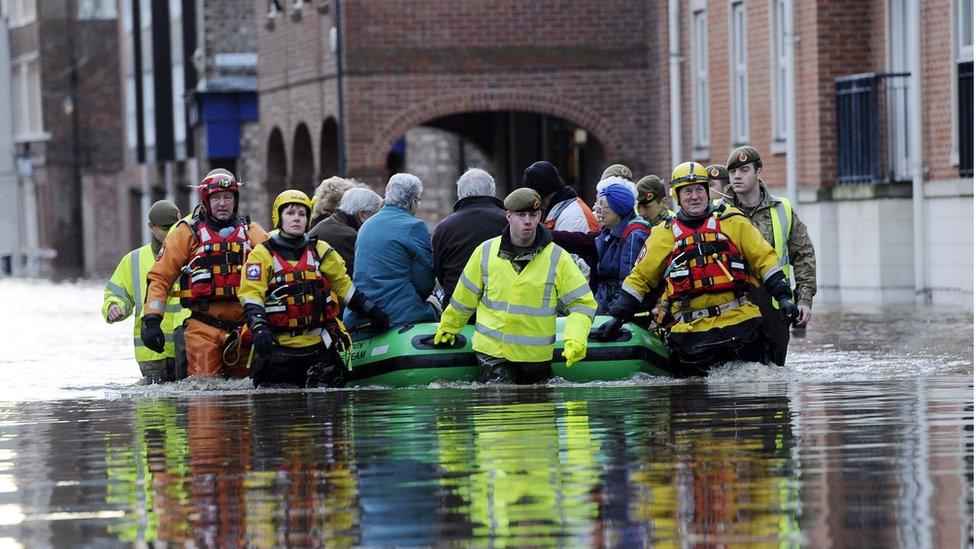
point(291, 196)
point(688, 173)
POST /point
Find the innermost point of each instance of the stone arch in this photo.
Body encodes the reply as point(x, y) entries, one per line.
point(489, 100)
point(302, 163)
point(329, 149)
point(277, 163)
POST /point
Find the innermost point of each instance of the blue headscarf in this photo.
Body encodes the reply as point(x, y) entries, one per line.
point(620, 198)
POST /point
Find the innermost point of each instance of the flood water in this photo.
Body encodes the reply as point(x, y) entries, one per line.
point(865, 438)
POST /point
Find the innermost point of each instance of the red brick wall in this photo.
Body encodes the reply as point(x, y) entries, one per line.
point(938, 79)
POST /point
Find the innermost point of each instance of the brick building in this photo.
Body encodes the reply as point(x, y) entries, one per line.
point(822, 88)
point(67, 128)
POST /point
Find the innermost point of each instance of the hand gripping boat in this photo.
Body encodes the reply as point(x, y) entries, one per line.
point(407, 356)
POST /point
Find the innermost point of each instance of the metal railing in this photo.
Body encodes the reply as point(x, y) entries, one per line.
point(873, 128)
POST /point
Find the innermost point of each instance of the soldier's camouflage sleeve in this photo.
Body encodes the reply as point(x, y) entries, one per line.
point(804, 261)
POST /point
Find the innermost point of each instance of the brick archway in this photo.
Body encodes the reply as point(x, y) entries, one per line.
point(458, 103)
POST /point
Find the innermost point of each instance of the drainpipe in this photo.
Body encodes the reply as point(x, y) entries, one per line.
point(674, 62)
point(336, 36)
point(791, 182)
point(922, 292)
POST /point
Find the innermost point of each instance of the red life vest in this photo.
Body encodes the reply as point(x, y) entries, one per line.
point(703, 260)
point(214, 270)
point(298, 296)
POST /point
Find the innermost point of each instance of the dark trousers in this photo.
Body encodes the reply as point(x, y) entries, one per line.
point(312, 366)
point(499, 370)
point(695, 353)
point(776, 330)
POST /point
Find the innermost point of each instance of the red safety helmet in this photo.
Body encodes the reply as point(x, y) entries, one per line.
point(216, 181)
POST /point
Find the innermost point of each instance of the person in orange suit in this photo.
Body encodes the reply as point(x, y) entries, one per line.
point(205, 254)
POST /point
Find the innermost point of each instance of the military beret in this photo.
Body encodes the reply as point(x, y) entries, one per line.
point(743, 155)
point(650, 188)
point(164, 214)
point(523, 199)
point(717, 171)
point(618, 170)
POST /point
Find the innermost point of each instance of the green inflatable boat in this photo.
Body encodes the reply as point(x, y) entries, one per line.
point(407, 357)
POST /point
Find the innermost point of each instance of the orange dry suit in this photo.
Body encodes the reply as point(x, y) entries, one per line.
point(206, 257)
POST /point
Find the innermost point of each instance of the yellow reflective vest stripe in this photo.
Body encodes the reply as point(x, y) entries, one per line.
point(516, 311)
point(127, 289)
point(782, 218)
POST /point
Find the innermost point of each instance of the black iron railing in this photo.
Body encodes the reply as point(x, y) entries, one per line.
point(872, 128)
point(966, 119)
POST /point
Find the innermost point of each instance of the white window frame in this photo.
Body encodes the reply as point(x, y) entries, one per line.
point(739, 74)
point(177, 80)
point(19, 13)
point(780, 72)
point(28, 100)
point(701, 117)
point(96, 10)
point(961, 53)
point(898, 52)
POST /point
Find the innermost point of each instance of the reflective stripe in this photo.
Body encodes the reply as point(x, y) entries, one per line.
point(551, 278)
point(252, 301)
point(782, 220)
point(637, 295)
point(771, 272)
point(485, 255)
point(469, 285)
point(173, 308)
point(461, 307)
point(348, 297)
point(516, 339)
point(117, 291)
point(574, 295)
point(134, 268)
point(588, 311)
point(158, 305)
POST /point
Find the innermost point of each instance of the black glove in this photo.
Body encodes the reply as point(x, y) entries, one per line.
point(609, 329)
point(624, 307)
point(264, 339)
point(152, 334)
point(779, 288)
point(378, 321)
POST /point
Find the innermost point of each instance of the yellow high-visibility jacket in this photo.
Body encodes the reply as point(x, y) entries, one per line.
point(760, 257)
point(127, 289)
point(258, 271)
point(517, 310)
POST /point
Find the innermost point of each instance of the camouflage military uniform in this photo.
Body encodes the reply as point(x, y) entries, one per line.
point(804, 263)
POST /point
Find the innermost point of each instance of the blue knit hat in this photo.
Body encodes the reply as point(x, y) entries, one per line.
point(620, 198)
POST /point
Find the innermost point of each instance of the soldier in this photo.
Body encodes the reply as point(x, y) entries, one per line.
point(718, 182)
point(652, 200)
point(777, 221)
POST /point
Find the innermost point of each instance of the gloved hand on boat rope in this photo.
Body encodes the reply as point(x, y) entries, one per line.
point(779, 288)
point(378, 321)
point(152, 334)
point(573, 351)
point(443, 337)
point(622, 310)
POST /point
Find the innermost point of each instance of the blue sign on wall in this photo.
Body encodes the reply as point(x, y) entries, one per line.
point(222, 115)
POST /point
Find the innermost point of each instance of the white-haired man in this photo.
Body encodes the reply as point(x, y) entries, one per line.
point(394, 265)
point(478, 216)
point(339, 229)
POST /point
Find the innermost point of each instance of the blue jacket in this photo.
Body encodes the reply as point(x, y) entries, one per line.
point(617, 256)
point(394, 268)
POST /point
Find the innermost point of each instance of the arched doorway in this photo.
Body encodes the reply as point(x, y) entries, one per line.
point(329, 149)
point(302, 163)
point(277, 163)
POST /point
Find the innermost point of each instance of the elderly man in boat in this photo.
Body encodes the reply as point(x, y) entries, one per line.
point(518, 282)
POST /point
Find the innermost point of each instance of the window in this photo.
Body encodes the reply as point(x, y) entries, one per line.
point(178, 83)
point(699, 77)
point(96, 10)
point(740, 74)
point(19, 12)
point(27, 100)
point(964, 87)
point(780, 70)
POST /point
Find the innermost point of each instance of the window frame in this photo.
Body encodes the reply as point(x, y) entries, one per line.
point(780, 71)
point(738, 75)
point(700, 100)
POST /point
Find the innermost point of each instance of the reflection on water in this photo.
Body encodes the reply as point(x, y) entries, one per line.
point(880, 463)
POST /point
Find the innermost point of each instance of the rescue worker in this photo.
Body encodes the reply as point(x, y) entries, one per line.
point(706, 259)
point(652, 200)
point(285, 293)
point(205, 255)
point(777, 221)
point(517, 283)
point(718, 182)
point(124, 296)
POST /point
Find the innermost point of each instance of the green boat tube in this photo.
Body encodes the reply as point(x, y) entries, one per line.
point(407, 357)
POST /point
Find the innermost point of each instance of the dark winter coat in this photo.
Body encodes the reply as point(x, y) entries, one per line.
point(339, 230)
point(475, 219)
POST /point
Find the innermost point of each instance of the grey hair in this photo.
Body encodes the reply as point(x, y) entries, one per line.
point(402, 189)
point(475, 182)
point(358, 199)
